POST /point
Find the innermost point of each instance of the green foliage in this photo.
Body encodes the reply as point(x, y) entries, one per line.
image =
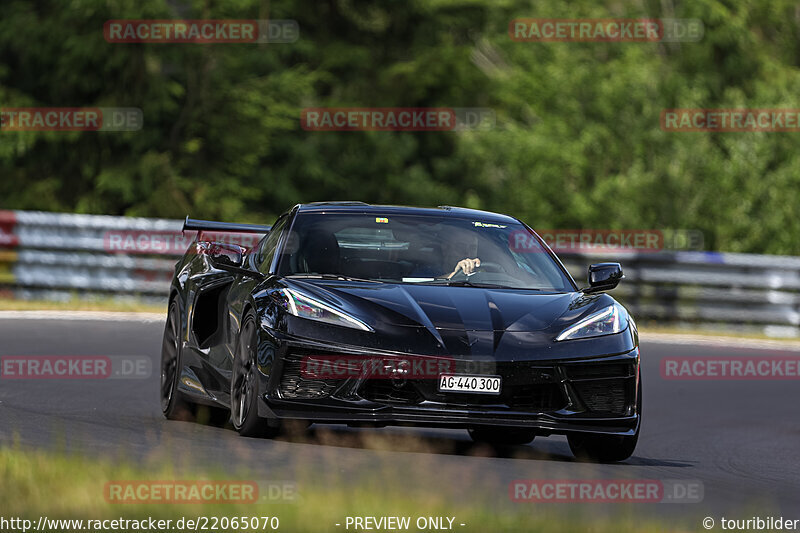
point(72, 486)
point(578, 141)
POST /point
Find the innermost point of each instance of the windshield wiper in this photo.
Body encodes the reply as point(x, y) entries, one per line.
point(336, 277)
point(468, 283)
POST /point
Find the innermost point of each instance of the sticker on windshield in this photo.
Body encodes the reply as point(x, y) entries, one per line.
point(381, 220)
point(487, 225)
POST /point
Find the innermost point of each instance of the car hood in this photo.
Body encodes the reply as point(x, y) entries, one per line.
point(446, 308)
point(501, 324)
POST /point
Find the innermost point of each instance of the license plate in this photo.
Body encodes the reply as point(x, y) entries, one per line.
point(473, 384)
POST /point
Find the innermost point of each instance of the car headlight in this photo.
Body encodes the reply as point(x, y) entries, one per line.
point(304, 306)
point(610, 320)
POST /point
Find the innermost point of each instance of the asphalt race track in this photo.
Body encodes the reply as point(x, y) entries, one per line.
point(741, 439)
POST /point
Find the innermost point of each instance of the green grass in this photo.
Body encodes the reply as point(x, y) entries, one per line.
point(70, 486)
point(76, 304)
point(673, 330)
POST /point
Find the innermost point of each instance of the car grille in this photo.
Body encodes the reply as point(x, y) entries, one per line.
point(526, 387)
point(598, 370)
point(603, 389)
point(607, 396)
point(385, 391)
point(295, 386)
point(534, 398)
point(543, 398)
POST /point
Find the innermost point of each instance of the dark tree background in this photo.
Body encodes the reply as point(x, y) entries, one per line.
point(577, 143)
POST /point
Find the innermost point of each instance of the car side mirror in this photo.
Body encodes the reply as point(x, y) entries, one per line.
point(223, 255)
point(603, 277)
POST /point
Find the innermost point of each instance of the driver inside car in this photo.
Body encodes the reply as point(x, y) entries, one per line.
point(462, 251)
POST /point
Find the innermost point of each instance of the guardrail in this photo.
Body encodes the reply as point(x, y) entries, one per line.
point(56, 256)
point(59, 256)
point(743, 291)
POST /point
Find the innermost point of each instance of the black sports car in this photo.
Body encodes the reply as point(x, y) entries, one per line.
point(359, 314)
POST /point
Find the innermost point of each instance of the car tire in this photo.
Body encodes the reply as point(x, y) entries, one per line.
point(502, 436)
point(607, 448)
point(174, 405)
point(244, 384)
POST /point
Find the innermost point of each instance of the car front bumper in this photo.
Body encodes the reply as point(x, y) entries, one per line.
point(590, 394)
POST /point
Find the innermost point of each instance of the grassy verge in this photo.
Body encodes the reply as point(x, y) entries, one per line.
point(77, 304)
point(60, 486)
point(714, 333)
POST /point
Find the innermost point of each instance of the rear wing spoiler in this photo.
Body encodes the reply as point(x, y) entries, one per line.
point(191, 224)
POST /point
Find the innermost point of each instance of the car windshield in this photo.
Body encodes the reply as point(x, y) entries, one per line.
point(420, 249)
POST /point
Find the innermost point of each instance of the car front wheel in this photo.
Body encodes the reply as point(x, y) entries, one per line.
point(173, 404)
point(244, 384)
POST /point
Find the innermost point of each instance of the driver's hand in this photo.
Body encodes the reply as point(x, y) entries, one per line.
point(468, 266)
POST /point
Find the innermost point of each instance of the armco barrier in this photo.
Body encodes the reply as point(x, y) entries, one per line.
point(57, 256)
point(741, 290)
